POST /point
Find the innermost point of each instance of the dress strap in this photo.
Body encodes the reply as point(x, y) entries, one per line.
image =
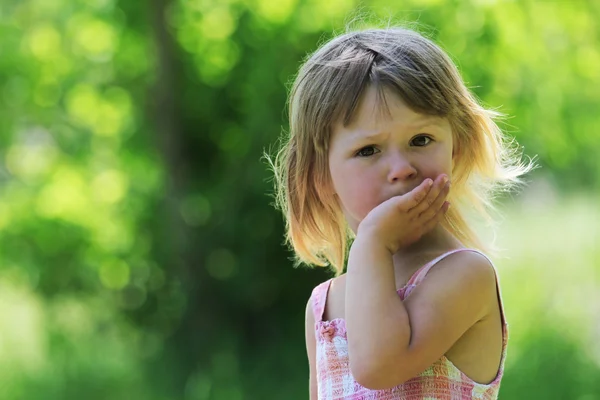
point(421, 272)
point(319, 298)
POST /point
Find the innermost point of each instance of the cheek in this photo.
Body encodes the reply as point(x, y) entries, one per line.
point(431, 166)
point(433, 171)
point(357, 190)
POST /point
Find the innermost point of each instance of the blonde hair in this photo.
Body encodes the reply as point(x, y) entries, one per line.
point(328, 88)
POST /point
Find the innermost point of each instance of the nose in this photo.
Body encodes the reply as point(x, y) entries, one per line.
point(400, 168)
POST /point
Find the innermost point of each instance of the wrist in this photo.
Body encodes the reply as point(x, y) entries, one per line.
point(370, 242)
point(366, 253)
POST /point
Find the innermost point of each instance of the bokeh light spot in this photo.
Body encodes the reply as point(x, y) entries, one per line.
point(112, 234)
point(216, 60)
point(111, 121)
point(114, 274)
point(276, 11)
point(65, 197)
point(218, 23)
point(96, 38)
point(109, 186)
point(82, 103)
point(105, 115)
point(44, 42)
point(34, 157)
point(115, 109)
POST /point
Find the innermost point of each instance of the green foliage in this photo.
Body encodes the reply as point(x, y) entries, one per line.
point(139, 254)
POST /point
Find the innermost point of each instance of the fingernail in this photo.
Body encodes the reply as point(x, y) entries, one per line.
point(429, 182)
point(445, 180)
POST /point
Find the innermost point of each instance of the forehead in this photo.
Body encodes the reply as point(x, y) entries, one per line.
point(382, 110)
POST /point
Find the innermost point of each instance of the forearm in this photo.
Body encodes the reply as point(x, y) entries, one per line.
point(377, 322)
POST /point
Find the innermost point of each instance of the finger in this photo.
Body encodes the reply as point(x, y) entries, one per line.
point(417, 195)
point(436, 205)
point(430, 198)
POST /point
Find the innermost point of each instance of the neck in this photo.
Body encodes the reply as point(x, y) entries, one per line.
point(438, 240)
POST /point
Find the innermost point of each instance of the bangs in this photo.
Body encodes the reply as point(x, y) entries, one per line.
point(409, 70)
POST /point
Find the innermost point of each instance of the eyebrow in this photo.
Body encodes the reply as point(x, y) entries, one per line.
point(378, 135)
point(369, 137)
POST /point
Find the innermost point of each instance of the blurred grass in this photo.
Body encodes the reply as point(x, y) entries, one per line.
point(551, 288)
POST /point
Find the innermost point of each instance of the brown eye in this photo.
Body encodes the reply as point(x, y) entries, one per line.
point(366, 151)
point(420, 141)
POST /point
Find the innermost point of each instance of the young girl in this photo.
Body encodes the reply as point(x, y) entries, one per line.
point(388, 148)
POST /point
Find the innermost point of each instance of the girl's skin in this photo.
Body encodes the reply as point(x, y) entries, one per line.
point(393, 192)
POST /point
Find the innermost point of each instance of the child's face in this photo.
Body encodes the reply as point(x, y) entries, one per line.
point(410, 147)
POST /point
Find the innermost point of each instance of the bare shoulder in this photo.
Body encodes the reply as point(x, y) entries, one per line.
point(471, 267)
point(471, 262)
point(465, 275)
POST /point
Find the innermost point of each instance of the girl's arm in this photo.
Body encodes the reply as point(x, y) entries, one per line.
point(311, 350)
point(375, 316)
point(391, 341)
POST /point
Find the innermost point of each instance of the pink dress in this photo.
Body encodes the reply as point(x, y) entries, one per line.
point(442, 380)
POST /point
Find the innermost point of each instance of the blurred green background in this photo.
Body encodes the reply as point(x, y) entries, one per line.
point(140, 255)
